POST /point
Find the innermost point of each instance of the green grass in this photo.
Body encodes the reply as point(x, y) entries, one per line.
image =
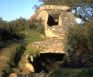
point(32, 36)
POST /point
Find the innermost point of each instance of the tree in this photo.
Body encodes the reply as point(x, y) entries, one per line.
point(65, 2)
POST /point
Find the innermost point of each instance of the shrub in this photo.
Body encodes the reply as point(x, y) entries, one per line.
point(65, 2)
point(12, 31)
point(71, 72)
point(79, 45)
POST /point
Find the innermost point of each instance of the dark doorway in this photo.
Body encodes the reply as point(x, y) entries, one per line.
point(45, 61)
point(52, 21)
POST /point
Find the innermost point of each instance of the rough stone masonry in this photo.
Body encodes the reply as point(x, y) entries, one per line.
point(56, 20)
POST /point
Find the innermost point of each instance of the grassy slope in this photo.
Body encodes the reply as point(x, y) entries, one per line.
point(12, 52)
point(6, 56)
point(30, 37)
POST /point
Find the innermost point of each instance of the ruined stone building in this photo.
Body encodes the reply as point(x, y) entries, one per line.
point(56, 21)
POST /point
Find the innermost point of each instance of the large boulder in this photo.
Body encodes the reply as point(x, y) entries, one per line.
point(54, 7)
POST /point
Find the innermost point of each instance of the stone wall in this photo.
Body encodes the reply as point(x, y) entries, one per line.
point(54, 7)
point(60, 19)
point(55, 34)
point(52, 45)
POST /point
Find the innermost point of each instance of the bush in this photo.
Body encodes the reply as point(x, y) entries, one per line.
point(12, 31)
point(65, 2)
point(79, 45)
point(19, 25)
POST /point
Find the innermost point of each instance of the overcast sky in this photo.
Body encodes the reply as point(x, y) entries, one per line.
point(13, 9)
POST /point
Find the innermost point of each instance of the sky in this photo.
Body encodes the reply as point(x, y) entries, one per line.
point(13, 9)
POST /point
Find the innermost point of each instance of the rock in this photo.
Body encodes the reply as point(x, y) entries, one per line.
point(54, 7)
point(30, 67)
point(13, 75)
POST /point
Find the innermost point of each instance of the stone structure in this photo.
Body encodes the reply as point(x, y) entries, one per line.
point(56, 20)
point(48, 46)
point(54, 7)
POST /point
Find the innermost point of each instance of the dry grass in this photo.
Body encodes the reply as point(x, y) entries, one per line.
point(6, 56)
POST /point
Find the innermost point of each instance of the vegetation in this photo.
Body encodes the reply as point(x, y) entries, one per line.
point(7, 58)
point(18, 30)
point(65, 2)
point(71, 72)
point(79, 45)
point(14, 36)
